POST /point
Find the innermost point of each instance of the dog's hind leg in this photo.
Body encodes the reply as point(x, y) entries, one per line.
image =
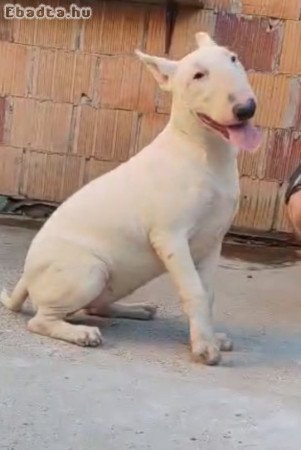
point(139, 311)
point(48, 323)
point(62, 289)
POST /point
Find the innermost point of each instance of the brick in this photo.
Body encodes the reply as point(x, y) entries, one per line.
point(51, 177)
point(290, 61)
point(84, 141)
point(298, 112)
point(95, 168)
point(60, 75)
point(295, 154)
point(151, 125)
point(151, 98)
point(283, 154)
point(253, 164)
point(24, 31)
point(14, 74)
point(189, 22)
point(52, 173)
point(47, 125)
point(44, 66)
point(84, 78)
point(2, 117)
point(6, 30)
point(118, 82)
point(105, 134)
point(64, 76)
point(73, 176)
point(281, 221)
point(278, 155)
point(257, 204)
point(92, 29)
point(114, 28)
point(277, 99)
point(47, 33)
point(223, 5)
point(237, 33)
point(64, 69)
point(155, 33)
point(56, 33)
point(147, 92)
point(33, 179)
point(10, 169)
point(282, 9)
point(59, 124)
point(115, 134)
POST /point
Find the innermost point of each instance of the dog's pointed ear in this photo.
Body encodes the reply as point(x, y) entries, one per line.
point(161, 68)
point(203, 39)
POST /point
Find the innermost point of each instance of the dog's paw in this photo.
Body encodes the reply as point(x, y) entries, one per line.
point(224, 343)
point(141, 311)
point(207, 353)
point(150, 311)
point(88, 336)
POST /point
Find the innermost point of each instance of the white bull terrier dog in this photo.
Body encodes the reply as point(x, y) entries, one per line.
point(166, 209)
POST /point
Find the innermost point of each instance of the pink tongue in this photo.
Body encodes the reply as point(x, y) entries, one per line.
point(246, 137)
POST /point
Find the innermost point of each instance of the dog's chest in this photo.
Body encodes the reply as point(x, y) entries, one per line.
point(215, 212)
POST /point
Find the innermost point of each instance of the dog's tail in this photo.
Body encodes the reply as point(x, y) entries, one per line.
point(17, 298)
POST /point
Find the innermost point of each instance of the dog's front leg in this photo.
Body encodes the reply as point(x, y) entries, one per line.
point(174, 252)
point(207, 269)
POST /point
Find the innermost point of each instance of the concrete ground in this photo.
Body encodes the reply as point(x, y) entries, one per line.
point(141, 390)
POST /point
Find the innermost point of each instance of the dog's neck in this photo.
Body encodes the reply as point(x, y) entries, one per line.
point(184, 122)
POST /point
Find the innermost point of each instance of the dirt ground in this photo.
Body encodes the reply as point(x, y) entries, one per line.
point(141, 390)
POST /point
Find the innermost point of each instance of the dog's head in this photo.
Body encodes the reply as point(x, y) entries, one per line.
point(212, 84)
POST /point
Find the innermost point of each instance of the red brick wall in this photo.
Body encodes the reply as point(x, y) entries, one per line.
point(75, 102)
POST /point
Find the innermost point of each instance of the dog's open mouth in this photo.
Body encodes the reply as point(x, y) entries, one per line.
point(243, 135)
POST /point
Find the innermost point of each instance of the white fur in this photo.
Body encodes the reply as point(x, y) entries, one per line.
point(166, 209)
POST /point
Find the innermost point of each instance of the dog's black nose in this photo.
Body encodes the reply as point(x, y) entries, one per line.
point(246, 111)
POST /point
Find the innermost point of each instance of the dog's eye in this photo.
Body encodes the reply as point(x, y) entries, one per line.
point(233, 58)
point(198, 75)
